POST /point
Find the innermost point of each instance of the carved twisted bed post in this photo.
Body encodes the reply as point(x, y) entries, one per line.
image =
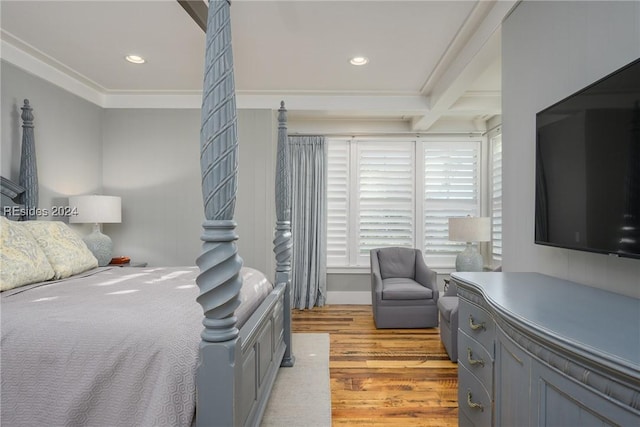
point(219, 280)
point(282, 243)
point(28, 168)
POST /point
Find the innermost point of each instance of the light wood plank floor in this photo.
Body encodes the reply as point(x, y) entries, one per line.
point(383, 377)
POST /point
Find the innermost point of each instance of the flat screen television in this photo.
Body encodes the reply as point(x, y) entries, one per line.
point(588, 168)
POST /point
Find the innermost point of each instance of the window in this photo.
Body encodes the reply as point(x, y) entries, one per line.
point(398, 193)
point(385, 202)
point(338, 178)
point(496, 199)
point(450, 190)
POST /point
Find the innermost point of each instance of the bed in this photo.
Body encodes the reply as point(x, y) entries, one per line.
point(88, 345)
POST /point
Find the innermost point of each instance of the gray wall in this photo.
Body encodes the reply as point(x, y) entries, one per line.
point(549, 51)
point(255, 207)
point(67, 136)
point(152, 160)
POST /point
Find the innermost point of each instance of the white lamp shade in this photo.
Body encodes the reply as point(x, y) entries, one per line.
point(470, 229)
point(96, 209)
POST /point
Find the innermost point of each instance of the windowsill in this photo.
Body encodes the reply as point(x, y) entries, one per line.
point(348, 270)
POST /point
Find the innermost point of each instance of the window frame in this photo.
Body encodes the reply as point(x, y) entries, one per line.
point(495, 137)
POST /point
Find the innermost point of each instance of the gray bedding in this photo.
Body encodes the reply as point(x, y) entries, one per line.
point(110, 347)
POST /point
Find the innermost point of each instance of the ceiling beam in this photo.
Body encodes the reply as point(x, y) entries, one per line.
point(452, 90)
point(461, 39)
point(476, 47)
point(197, 10)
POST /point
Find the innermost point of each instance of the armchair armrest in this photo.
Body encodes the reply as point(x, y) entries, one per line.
point(426, 276)
point(376, 278)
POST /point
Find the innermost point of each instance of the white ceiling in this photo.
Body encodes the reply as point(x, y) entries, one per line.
point(432, 63)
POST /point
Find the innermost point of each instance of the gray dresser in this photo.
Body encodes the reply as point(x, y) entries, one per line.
point(535, 350)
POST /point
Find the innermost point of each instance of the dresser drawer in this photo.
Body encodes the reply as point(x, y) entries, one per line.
point(474, 401)
point(476, 359)
point(476, 323)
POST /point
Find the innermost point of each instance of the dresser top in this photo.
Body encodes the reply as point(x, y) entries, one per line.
point(588, 320)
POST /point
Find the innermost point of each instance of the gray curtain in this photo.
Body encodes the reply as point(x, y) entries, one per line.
point(308, 156)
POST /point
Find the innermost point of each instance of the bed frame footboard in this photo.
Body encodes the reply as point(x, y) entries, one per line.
point(263, 347)
point(235, 377)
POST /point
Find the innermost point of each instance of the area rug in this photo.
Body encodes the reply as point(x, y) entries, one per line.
point(301, 394)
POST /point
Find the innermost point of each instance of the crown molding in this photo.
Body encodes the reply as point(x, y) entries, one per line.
point(166, 100)
point(31, 60)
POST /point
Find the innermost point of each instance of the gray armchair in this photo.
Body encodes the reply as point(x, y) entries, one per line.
point(403, 289)
point(448, 308)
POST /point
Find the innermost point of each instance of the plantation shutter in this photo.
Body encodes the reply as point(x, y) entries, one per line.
point(451, 189)
point(496, 200)
point(338, 203)
point(385, 196)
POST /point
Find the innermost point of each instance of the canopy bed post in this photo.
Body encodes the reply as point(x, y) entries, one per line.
point(219, 280)
point(28, 167)
point(282, 243)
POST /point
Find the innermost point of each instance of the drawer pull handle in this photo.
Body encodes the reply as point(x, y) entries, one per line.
point(473, 405)
point(475, 326)
point(474, 361)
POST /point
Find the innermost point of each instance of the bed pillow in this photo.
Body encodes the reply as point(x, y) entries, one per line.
point(22, 261)
point(65, 250)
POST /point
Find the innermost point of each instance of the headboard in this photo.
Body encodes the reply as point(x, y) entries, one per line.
point(11, 194)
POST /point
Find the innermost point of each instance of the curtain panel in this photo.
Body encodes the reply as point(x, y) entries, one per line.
point(308, 159)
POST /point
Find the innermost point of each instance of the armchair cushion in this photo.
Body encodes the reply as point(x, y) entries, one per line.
point(397, 262)
point(404, 289)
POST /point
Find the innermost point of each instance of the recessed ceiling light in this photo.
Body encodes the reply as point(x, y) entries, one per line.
point(135, 59)
point(358, 60)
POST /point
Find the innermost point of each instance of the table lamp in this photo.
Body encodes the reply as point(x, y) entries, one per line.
point(97, 210)
point(469, 229)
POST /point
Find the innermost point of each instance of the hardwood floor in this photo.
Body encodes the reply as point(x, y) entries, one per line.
point(383, 377)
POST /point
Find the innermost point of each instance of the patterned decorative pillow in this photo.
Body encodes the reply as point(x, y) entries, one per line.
point(22, 261)
point(65, 250)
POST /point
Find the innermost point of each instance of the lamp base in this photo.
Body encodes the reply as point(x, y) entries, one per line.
point(100, 245)
point(469, 259)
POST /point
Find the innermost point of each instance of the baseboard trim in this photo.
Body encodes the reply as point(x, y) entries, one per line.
point(338, 297)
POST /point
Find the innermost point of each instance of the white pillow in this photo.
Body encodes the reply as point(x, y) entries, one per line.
point(22, 261)
point(65, 250)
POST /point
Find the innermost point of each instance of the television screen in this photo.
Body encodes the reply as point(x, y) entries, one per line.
point(588, 168)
